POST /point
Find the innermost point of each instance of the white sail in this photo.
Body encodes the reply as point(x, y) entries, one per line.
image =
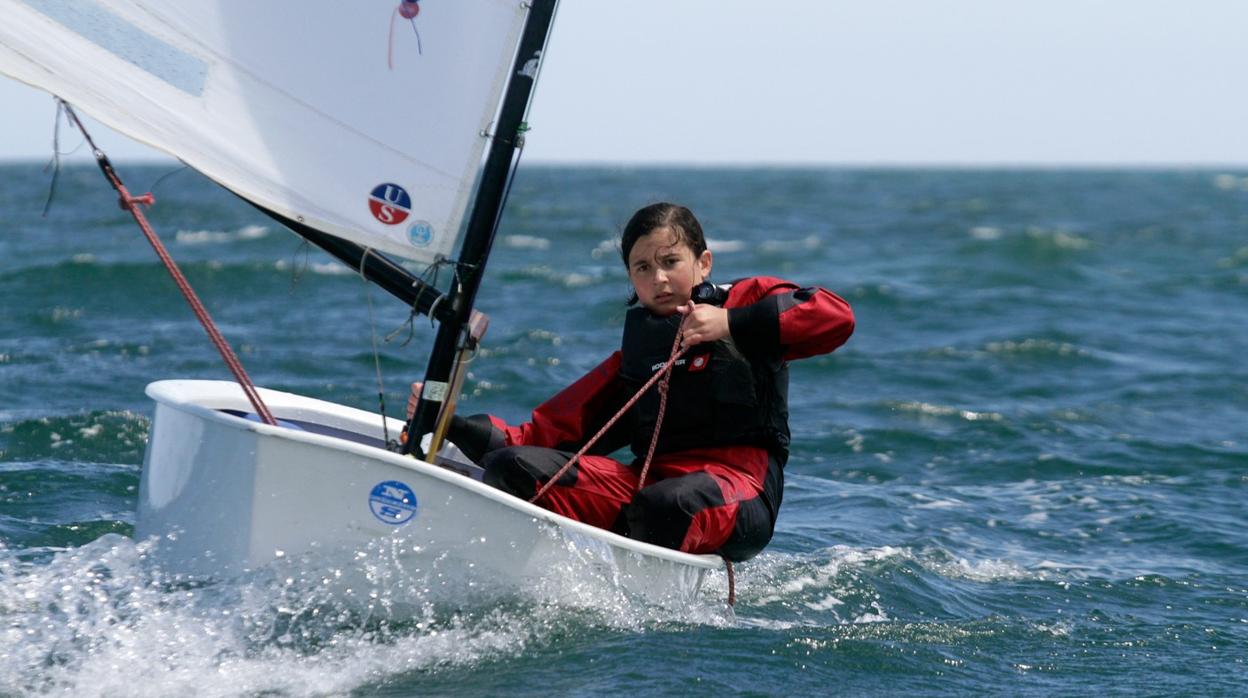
point(363, 119)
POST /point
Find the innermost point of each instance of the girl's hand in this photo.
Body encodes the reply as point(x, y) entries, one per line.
point(703, 323)
point(413, 399)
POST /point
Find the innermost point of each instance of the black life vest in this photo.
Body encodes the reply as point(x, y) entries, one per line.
point(717, 396)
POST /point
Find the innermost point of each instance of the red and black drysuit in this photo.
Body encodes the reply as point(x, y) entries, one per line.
point(716, 480)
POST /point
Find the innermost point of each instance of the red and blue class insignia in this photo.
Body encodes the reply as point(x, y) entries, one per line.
point(390, 203)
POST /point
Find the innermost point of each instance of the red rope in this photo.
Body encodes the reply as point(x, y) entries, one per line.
point(658, 422)
point(131, 204)
point(664, 374)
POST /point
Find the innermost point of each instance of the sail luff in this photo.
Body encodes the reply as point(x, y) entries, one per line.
point(482, 224)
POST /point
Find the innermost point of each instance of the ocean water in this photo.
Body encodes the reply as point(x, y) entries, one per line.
point(1025, 474)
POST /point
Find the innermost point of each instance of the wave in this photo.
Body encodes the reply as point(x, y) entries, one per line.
point(108, 436)
point(526, 242)
point(1031, 240)
point(557, 277)
point(202, 237)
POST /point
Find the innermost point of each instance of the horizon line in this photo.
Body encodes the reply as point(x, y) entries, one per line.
point(762, 164)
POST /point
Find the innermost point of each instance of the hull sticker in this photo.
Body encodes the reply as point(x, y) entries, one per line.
point(392, 502)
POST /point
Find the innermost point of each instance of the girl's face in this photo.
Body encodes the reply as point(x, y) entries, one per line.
point(664, 270)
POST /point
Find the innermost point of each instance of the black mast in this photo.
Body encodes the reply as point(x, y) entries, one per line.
point(483, 222)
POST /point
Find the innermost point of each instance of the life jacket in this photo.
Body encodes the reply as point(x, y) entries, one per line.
point(717, 395)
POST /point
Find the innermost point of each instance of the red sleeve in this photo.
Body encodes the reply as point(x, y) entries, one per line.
point(571, 416)
point(770, 316)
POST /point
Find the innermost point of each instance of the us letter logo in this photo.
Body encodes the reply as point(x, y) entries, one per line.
point(390, 203)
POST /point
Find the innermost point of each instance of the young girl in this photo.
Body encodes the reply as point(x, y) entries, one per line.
point(716, 480)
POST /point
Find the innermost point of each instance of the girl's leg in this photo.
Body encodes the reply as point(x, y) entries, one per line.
point(707, 507)
point(592, 491)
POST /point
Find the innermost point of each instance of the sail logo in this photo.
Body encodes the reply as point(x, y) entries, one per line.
point(392, 502)
point(420, 234)
point(390, 203)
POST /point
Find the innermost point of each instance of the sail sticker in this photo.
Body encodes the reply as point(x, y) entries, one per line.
point(420, 234)
point(390, 203)
point(407, 9)
point(392, 502)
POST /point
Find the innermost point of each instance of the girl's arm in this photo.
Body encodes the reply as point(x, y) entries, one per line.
point(769, 316)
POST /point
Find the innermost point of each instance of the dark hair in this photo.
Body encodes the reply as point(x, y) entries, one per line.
point(676, 218)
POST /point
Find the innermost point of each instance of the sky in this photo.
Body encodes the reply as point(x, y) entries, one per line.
point(878, 83)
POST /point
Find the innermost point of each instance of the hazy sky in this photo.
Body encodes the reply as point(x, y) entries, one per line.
point(864, 82)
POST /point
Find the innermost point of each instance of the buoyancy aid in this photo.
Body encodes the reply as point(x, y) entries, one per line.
point(718, 396)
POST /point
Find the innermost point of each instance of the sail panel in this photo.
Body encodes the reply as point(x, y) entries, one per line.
point(362, 119)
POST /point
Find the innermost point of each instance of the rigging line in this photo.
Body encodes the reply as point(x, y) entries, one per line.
point(372, 327)
point(420, 49)
point(300, 267)
point(134, 204)
point(428, 277)
point(55, 162)
point(160, 180)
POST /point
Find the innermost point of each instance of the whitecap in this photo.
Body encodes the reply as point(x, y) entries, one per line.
point(526, 242)
point(929, 409)
point(201, 237)
point(606, 248)
point(725, 246)
point(810, 242)
point(322, 268)
point(1059, 238)
point(1225, 181)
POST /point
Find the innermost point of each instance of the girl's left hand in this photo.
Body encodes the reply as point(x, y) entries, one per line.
point(703, 323)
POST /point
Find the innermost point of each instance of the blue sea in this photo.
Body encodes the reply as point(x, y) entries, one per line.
point(1025, 474)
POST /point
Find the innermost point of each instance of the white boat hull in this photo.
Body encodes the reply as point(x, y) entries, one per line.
point(224, 494)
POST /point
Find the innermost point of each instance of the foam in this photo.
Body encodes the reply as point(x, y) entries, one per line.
point(68, 624)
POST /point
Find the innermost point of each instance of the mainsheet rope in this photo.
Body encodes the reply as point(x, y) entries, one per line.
point(132, 204)
point(663, 378)
point(372, 330)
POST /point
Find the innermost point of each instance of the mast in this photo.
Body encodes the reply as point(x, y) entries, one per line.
point(482, 225)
